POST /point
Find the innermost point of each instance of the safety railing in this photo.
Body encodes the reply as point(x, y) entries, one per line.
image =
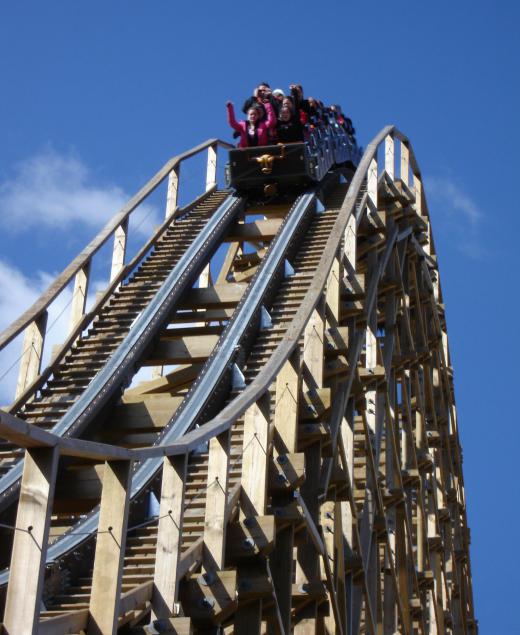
point(33, 324)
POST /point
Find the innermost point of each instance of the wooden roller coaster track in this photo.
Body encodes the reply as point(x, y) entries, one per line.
point(293, 463)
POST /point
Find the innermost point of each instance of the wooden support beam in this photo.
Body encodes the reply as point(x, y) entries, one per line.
point(285, 442)
point(256, 449)
point(389, 156)
point(110, 548)
point(184, 350)
point(211, 170)
point(219, 295)
point(286, 406)
point(119, 251)
point(32, 350)
point(169, 531)
point(24, 591)
point(173, 191)
point(216, 499)
point(307, 566)
point(231, 253)
point(258, 230)
point(405, 163)
point(79, 296)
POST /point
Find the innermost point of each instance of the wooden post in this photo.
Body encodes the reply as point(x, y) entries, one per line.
point(417, 184)
point(313, 351)
point(118, 255)
point(372, 185)
point(31, 360)
point(110, 548)
point(30, 541)
point(307, 568)
point(347, 428)
point(79, 296)
point(211, 172)
point(216, 499)
point(173, 191)
point(255, 458)
point(284, 438)
point(171, 513)
point(405, 163)
point(389, 156)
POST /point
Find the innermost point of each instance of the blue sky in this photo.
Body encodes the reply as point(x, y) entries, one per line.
point(98, 95)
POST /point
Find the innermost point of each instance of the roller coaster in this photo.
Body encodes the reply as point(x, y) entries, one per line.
point(291, 461)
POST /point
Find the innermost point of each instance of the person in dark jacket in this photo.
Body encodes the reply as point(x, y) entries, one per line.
point(288, 127)
point(261, 95)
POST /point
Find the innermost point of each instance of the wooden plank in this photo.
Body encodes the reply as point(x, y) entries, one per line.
point(285, 441)
point(136, 598)
point(185, 350)
point(144, 413)
point(211, 170)
point(405, 163)
point(169, 533)
point(250, 537)
point(32, 350)
point(307, 568)
point(255, 456)
point(171, 626)
point(216, 499)
point(173, 191)
point(110, 548)
point(71, 622)
point(286, 407)
point(389, 156)
point(210, 598)
point(181, 376)
point(258, 230)
point(30, 541)
point(79, 296)
point(219, 295)
point(119, 250)
point(312, 368)
point(225, 269)
point(286, 472)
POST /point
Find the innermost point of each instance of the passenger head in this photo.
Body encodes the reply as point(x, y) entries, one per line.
point(285, 114)
point(262, 92)
point(288, 102)
point(278, 94)
point(253, 115)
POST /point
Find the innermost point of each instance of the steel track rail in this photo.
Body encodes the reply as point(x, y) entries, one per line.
point(119, 370)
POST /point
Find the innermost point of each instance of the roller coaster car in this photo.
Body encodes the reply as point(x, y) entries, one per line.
point(270, 170)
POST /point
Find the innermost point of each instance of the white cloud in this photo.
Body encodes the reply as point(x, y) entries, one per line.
point(57, 191)
point(456, 212)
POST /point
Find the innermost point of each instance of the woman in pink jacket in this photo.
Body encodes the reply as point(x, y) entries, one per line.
point(253, 132)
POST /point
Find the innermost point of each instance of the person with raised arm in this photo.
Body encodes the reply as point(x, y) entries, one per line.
point(253, 131)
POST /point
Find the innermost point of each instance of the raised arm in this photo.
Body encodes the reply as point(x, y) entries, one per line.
point(271, 116)
point(231, 117)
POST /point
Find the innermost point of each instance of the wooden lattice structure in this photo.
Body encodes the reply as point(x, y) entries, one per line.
point(318, 488)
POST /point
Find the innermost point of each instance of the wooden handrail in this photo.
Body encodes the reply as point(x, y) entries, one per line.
point(84, 257)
